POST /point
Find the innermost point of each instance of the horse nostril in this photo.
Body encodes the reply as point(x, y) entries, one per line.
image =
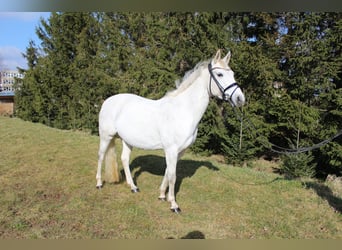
point(241, 100)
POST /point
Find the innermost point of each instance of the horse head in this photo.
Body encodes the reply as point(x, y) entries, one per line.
point(225, 86)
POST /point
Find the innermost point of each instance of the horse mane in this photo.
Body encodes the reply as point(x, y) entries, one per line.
point(188, 79)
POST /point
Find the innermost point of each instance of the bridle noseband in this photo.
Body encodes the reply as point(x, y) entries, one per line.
point(223, 90)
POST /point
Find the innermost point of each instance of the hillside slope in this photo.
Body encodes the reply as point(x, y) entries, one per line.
point(48, 190)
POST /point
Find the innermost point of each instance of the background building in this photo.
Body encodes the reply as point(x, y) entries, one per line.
point(8, 78)
point(7, 92)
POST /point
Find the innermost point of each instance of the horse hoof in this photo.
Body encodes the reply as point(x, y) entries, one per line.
point(162, 198)
point(176, 210)
point(135, 190)
point(99, 187)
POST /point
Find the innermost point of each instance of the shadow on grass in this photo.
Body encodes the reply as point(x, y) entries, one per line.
point(156, 165)
point(325, 193)
point(192, 235)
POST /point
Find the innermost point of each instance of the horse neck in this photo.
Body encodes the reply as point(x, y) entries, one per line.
point(196, 97)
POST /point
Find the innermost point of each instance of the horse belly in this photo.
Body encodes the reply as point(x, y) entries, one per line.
point(138, 137)
point(137, 125)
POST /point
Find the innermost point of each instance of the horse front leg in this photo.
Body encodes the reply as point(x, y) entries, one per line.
point(171, 196)
point(165, 182)
point(163, 187)
point(170, 179)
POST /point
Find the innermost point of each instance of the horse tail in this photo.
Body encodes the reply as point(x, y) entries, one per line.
point(112, 173)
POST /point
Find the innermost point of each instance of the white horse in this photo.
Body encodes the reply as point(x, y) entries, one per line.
point(169, 123)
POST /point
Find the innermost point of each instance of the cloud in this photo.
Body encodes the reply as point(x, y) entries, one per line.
point(11, 58)
point(22, 16)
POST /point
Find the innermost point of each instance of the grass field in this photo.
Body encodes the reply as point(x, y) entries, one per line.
point(47, 190)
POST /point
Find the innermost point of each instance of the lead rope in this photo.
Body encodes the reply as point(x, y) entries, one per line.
point(278, 149)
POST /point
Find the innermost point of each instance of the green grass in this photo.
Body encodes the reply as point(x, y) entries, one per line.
point(48, 190)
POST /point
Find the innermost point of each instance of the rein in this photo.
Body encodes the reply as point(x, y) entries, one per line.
point(223, 90)
point(278, 149)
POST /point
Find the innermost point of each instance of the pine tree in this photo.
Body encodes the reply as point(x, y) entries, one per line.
point(282, 61)
point(312, 62)
point(86, 76)
point(58, 37)
point(28, 93)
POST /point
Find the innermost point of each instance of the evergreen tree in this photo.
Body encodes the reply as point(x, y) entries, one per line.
point(288, 65)
point(60, 41)
point(29, 92)
point(312, 62)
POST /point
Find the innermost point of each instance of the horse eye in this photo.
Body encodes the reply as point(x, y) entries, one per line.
point(219, 74)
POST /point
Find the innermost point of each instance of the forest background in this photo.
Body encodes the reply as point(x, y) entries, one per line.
point(288, 65)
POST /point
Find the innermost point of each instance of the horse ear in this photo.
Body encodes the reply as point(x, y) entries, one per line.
point(217, 56)
point(227, 57)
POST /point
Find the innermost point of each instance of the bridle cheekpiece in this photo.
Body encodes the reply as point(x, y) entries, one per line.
point(223, 90)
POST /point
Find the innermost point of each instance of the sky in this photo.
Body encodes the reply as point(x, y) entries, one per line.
point(16, 30)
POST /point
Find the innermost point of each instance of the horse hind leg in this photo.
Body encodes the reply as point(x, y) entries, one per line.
point(104, 143)
point(112, 174)
point(107, 153)
point(125, 156)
